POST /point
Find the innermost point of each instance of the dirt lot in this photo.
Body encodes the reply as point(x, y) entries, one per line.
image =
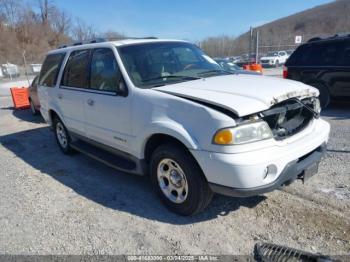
point(56, 204)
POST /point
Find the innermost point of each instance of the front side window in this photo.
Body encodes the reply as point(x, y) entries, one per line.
point(162, 63)
point(50, 69)
point(76, 70)
point(105, 74)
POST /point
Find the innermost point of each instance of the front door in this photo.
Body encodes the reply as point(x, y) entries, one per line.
point(107, 112)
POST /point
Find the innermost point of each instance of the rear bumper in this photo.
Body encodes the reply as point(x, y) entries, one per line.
point(293, 170)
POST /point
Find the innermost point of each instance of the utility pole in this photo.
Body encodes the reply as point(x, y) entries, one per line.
point(257, 47)
point(250, 44)
point(25, 65)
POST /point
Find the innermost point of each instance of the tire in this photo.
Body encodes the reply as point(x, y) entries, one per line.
point(325, 97)
point(62, 136)
point(179, 181)
point(277, 64)
point(32, 108)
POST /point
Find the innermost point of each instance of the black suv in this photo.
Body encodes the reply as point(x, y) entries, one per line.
point(324, 64)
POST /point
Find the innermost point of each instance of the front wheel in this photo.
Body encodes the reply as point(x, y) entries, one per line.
point(179, 181)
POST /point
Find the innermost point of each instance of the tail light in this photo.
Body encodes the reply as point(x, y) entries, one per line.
point(285, 72)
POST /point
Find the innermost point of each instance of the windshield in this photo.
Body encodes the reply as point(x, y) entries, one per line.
point(155, 64)
point(272, 54)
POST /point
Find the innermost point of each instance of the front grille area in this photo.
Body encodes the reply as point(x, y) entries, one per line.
point(265, 61)
point(289, 117)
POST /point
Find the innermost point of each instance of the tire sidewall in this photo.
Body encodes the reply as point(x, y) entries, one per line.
point(324, 96)
point(67, 149)
point(193, 175)
point(32, 107)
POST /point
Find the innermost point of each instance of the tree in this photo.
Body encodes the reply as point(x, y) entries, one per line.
point(83, 32)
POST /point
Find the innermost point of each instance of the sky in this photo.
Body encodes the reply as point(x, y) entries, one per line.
point(182, 19)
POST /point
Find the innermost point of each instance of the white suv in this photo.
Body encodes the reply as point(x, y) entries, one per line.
point(274, 59)
point(165, 109)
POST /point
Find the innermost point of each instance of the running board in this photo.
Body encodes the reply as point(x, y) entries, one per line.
point(108, 158)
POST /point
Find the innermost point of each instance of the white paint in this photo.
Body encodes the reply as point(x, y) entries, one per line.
point(126, 123)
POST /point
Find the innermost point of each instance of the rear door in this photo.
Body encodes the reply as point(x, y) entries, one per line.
point(340, 79)
point(73, 90)
point(107, 109)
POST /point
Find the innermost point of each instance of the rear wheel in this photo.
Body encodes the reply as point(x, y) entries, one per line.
point(62, 137)
point(179, 181)
point(324, 97)
point(32, 108)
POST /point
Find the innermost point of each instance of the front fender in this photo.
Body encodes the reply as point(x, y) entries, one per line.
point(172, 129)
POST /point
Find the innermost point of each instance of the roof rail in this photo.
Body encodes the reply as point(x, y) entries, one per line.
point(101, 40)
point(338, 35)
point(61, 46)
point(314, 39)
point(97, 40)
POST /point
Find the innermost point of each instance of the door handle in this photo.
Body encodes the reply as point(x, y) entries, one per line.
point(59, 96)
point(90, 102)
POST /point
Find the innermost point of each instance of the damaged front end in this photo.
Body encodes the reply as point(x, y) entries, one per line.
point(289, 117)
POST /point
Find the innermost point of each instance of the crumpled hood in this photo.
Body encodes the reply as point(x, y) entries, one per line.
point(241, 94)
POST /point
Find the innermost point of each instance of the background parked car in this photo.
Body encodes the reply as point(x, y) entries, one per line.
point(246, 59)
point(324, 64)
point(233, 59)
point(10, 70)
point(35, 68)
point(33, 96)
point(290, 52)
point(233, 68)
point(274, 59)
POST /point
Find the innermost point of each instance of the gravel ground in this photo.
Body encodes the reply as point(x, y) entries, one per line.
point(56, 204)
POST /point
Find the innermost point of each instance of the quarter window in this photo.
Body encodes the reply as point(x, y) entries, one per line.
point(76, 71)
point(105, 74)
point(50, 69)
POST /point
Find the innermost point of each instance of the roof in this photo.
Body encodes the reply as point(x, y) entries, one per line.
point(331, 38)
point(108, 43)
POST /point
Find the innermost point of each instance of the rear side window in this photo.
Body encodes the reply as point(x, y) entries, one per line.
point(50, 69)
point(344, 58)
point(105, 74)
point(35, 82)
point(76, 70)
point(316, 54)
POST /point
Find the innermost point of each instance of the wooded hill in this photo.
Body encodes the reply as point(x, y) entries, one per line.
point(323, 20)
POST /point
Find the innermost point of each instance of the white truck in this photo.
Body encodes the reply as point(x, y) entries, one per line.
point(163, 108)
point(274, 59)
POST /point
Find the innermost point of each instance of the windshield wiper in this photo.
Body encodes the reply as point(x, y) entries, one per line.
point(216, 71)
point(172, 76)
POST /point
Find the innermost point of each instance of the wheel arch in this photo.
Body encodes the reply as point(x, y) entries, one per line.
point(52, 114)
point(155, 140)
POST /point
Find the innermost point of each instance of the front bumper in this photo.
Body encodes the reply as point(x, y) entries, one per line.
point(293, 170)
point(262, 170)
